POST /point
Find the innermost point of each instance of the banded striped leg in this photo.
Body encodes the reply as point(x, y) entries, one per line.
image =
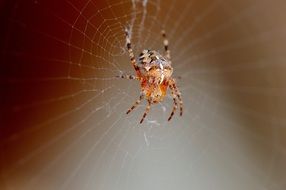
point(126, 76)
point(178, 94)
point(135, 104)
point(175, 105)
point(130, 51)
point(146, 111)
point(166, 45)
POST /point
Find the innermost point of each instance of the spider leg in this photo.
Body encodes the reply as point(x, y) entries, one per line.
point(166, 45)
point(126, 76)
point(178, 94)
point(130, 51)
point(175, 105)
point(135, 104)
point(146, 111)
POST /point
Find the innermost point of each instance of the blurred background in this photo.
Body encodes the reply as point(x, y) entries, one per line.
point(63, 121)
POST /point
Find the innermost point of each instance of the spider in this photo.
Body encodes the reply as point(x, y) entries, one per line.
point(154, 71)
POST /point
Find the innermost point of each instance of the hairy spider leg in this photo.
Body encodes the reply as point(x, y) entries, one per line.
point(178, 94)
point(135, 104)
point(126, 76)
point(131, 53)
point(146, 111)
point(175, 105)
point(166, 45)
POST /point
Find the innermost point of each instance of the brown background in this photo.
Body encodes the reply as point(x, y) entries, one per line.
point(63, 122)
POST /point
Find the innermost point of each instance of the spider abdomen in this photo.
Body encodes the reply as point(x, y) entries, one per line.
point(150, 60)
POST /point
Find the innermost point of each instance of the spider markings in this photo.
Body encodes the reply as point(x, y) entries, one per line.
point(154, 72)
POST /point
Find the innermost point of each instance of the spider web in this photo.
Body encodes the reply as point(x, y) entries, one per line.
point(63, 116)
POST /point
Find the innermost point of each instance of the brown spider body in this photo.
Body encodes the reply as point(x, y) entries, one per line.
point(154, 72)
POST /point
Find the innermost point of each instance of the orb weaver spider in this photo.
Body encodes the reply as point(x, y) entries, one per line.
point(154, 72)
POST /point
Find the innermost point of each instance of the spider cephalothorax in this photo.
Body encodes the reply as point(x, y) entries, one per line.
point(154, 71)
